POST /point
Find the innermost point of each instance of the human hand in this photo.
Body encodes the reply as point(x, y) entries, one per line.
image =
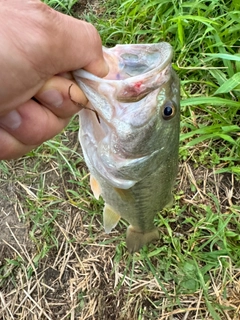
point(39, 47)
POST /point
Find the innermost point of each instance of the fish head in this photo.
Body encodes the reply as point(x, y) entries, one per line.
point(138, 108)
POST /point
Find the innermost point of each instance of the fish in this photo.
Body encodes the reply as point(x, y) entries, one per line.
point(130, 142)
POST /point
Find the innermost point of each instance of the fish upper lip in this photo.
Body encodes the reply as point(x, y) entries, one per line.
point(132, 88)
point(157, 68)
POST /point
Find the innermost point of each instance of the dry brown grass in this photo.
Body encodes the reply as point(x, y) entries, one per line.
point(88, 274)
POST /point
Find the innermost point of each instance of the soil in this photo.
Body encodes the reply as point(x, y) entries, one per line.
point(14, 233)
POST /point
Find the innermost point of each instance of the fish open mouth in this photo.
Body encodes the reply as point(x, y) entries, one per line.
point(136, 60)
point(134, 71)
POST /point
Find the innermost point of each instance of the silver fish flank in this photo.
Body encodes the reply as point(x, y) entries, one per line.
point(131, 148)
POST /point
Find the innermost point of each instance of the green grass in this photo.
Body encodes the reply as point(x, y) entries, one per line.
point(61, 5)
point(193, 271)
point(205, 38)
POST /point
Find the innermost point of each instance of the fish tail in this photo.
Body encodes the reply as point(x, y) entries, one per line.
point(137, 239)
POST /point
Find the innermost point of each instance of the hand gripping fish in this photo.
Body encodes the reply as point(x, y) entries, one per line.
point(130, 143)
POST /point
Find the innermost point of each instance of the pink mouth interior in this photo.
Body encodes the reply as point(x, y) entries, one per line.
point(127, 65)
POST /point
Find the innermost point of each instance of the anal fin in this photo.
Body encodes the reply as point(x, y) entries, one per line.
point(110, 218)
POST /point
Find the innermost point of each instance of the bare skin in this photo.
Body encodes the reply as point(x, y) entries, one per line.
point(39, 47)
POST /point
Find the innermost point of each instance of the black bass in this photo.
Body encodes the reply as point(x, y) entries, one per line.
point(130, 142)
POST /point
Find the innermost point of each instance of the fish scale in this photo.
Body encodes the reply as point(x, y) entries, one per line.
point(132, 151)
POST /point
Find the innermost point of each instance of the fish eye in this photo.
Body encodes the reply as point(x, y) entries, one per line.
point(168, 111)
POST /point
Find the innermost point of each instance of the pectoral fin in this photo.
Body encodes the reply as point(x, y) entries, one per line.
point(95, 186)
point(110, 218)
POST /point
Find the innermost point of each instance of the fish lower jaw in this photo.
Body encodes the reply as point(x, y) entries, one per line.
point(136, 239)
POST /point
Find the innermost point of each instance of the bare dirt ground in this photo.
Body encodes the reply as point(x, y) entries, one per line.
point(10, 225)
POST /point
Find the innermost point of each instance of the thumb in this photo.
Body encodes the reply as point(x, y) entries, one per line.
point(53, 42)
point(76, 45)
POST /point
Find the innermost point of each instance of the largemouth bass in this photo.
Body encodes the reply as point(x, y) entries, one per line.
point(130, 143)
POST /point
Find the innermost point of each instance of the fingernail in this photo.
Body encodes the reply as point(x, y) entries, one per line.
point(51, 98)
point(12, 120)
point(103, 70)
